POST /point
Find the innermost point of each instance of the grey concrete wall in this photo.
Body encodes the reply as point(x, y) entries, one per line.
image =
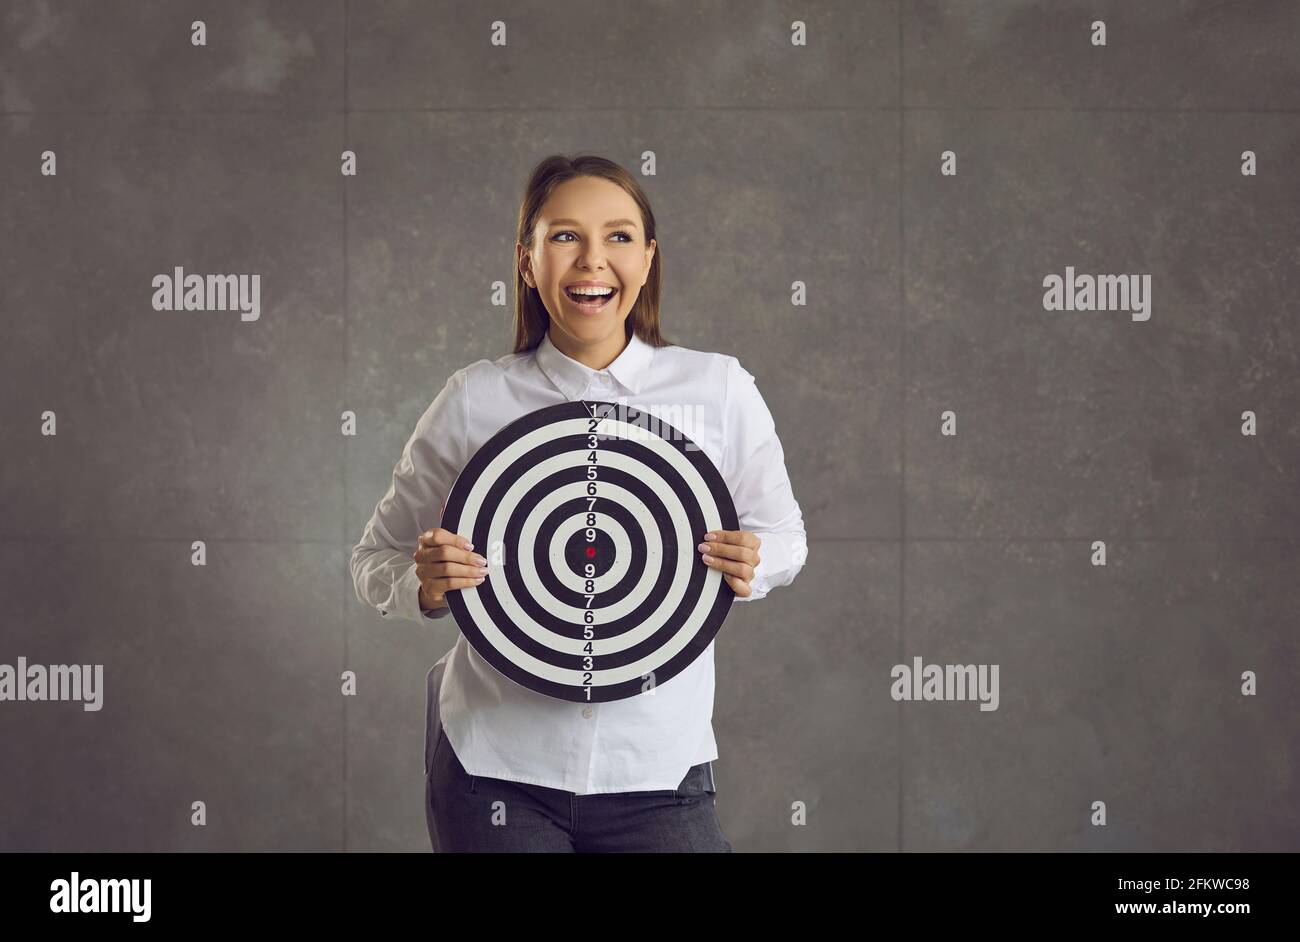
point(775, 163)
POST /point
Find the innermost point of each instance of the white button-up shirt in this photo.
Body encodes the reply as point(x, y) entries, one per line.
point(497, 727)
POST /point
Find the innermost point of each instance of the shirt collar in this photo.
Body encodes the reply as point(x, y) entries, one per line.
point(571, 377)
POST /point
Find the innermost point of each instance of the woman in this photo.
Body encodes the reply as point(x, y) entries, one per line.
point(507, 768)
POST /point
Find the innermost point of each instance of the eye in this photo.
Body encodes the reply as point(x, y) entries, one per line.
point(556, 237)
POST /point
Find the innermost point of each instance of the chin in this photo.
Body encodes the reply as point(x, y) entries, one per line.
point(592, 328)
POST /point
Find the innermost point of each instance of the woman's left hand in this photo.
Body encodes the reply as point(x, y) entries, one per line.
point(734, 553)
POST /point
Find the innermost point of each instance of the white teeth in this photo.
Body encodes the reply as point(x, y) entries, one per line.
point(592, 292)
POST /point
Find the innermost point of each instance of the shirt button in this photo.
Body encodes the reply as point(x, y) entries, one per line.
point(587, 712)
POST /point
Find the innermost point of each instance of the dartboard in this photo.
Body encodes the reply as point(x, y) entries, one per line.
point(589, 514)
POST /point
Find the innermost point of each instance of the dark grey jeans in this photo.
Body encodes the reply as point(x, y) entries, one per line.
point(474, 813)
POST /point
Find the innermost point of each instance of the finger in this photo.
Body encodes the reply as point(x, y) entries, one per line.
point(739, 586)
point(440, 537)
point(736, 537)
point(730, 551)
point(444, 570)
point(447, 554)
point(727, 566)
point(443, 586)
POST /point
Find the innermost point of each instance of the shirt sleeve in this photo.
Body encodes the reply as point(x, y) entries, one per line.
point(753, 466)
point(383, 570)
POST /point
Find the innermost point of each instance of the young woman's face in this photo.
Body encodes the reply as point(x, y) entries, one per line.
point(588, 231)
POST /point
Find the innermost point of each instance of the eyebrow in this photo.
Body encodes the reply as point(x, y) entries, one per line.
point(609, 225)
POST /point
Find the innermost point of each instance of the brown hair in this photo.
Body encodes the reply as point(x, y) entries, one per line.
point(531, 317)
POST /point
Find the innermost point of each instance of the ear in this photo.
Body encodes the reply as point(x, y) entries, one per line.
point(525, 265)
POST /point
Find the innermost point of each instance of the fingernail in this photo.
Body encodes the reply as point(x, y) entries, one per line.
point(710, 536)
point(708, 559)
point(480, 560)
point(482, 570)
point(467, 544)
point(703, 546)
point(479, 579)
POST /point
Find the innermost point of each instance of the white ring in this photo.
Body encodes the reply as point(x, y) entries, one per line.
point(555, 551)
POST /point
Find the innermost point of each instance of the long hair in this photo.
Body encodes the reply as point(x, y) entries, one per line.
point(531, 317)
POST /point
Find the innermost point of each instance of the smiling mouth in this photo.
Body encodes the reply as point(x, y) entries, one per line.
point(590, 303)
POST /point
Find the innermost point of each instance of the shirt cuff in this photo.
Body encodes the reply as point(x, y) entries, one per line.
point(774, 556)
point(405, 600)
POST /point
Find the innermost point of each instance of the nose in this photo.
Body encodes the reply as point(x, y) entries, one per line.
point(593, 257)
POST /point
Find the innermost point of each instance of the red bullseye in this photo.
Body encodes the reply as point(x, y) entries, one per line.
point(591, 551)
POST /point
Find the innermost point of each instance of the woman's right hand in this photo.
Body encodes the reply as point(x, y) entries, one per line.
point(445, 561)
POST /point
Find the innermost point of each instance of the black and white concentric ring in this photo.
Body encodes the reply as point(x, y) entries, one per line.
point(590, 484)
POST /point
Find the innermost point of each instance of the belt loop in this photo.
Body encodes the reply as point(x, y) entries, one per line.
point(712, 786)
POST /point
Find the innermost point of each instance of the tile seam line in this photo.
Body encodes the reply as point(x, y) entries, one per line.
point(343, 463)
point(902, 411)
point(641, 109)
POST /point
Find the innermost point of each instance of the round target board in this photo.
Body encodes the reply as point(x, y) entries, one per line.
point(589, 514)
